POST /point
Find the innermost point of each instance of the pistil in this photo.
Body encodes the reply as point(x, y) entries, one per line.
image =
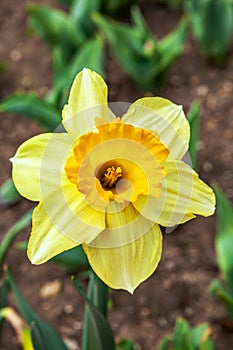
point(111, 177)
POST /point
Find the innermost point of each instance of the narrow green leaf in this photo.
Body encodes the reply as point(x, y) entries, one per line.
point(4, 291)
point(90, 55)
point(8, 194)
point(7, 241)
point(194, 122)
point(212, 26)
point(98, 293)
point(116, 7)
point(98, 334)
point(125, 344)
point(181, 332)
point(224, 295)
point(51, 339)
point(186, 338)
point(165, 343)
point(80, 13)
point(36, 336)
point(32, 107)
point(56, 28)
point(145, 59)
point(224, 237)
point(66, 2)
point(199, 338)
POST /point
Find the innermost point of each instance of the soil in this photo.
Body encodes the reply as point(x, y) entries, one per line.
point(179, 287)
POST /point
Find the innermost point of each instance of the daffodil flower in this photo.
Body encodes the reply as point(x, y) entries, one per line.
point(108, 183)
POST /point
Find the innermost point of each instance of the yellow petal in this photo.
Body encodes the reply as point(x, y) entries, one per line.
point(87, 103)
point(45, 240)
point(165, 118)
point(61, 222)
point(124, 224)
point(184, 195)
point(29, 161)
point(125, 267)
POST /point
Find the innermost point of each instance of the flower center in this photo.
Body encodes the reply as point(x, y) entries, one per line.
point(111, 176)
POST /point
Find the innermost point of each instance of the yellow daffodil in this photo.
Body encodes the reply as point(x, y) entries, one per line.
point(108, 183)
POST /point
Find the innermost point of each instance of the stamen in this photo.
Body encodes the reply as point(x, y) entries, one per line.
point(111, 177)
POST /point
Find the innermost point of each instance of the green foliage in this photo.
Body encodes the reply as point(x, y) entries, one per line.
point(72, 260)
point(32, 107)
point(223, 245)
point(46, 335)
point(212, 26)
point(90, 55)
point(80, 13)
point(125, 344)
point(113, 7)
point(8, 194)
point(224, 237)
point(194, 121)
point(83, 8)
point(97, 331)
point(7, 241)
point(2, 67)
point(224, 295)
point(56, 28)
point(175, 4)
point(144, 58)
point(186, 338)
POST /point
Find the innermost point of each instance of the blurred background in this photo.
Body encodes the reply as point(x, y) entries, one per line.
point(180, 50)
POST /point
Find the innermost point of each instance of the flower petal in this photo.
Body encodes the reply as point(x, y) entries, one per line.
point(46, 240)
point(128, 265)
point(87, 103)
point(165, 118)
point(28, 160)
point(184, 195)
point(124, 224)
point(63, 220)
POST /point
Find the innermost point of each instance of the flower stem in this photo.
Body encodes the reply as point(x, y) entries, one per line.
point(98, 294)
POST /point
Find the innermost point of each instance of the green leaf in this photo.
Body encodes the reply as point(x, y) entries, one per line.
point(186, 338)
point(98, 293)
point(56, 28)
point(98, 334)
point(224, 295)
point(194, 122)
point(224, 237)
point(8, 194)
point(66, 2)
point(80, 13)
point(212, 26)
point(73, 260)
point(125, 344)
point(4, 291)
point(199, 338)
point(51, 339)
point(145, 59)
point(2, 67)
point(90, 55)
point(32, 107)
point(116, 7)
point(36, 336)
point(7, 241)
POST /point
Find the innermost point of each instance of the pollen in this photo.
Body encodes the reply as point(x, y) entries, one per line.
point(111, 177)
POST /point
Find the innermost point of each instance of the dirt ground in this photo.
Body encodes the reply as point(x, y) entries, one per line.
point(179, 287)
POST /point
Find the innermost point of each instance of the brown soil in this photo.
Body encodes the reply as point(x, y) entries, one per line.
point(179, 287)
